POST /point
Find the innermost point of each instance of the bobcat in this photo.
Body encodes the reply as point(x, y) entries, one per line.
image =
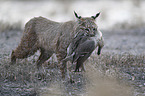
point(50, 37)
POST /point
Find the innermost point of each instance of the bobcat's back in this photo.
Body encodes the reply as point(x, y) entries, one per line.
point(52, 34)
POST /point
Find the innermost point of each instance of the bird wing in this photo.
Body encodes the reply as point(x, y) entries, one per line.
point(76, 41)
point(84, 49)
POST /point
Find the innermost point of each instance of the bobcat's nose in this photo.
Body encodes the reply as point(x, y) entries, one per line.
point(91, 35)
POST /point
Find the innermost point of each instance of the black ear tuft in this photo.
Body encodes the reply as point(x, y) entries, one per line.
point(79, 17)
point(94, 17)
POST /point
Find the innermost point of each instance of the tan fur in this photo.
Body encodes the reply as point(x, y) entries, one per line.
point(41, 33)
point(49, 37)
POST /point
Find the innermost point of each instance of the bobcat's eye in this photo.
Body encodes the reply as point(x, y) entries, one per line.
point(94, 29)
point(87, 29)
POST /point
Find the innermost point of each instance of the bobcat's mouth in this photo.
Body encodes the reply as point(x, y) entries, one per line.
point(90, 35)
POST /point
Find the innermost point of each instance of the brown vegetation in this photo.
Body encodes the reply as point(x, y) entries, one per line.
point(103, 76)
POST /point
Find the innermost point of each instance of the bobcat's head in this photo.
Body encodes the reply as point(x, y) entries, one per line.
point(87, 24)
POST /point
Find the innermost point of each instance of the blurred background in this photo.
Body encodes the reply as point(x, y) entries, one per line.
point(118, 14)
point(120, 66)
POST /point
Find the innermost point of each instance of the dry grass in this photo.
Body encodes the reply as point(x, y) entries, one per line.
point(24, 70)
point(104, 76)
point(116, 61)
point(110, 74)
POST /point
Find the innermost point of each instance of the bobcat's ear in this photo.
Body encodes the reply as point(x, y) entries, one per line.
point(94, 17)
point(79, 17)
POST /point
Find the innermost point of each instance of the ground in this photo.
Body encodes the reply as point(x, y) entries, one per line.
point(118, 71)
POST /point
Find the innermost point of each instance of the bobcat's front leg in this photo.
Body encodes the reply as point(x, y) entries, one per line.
point(62, 64)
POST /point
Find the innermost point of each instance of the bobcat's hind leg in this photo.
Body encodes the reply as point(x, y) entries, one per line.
point(45, 55)
point(22, 52)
